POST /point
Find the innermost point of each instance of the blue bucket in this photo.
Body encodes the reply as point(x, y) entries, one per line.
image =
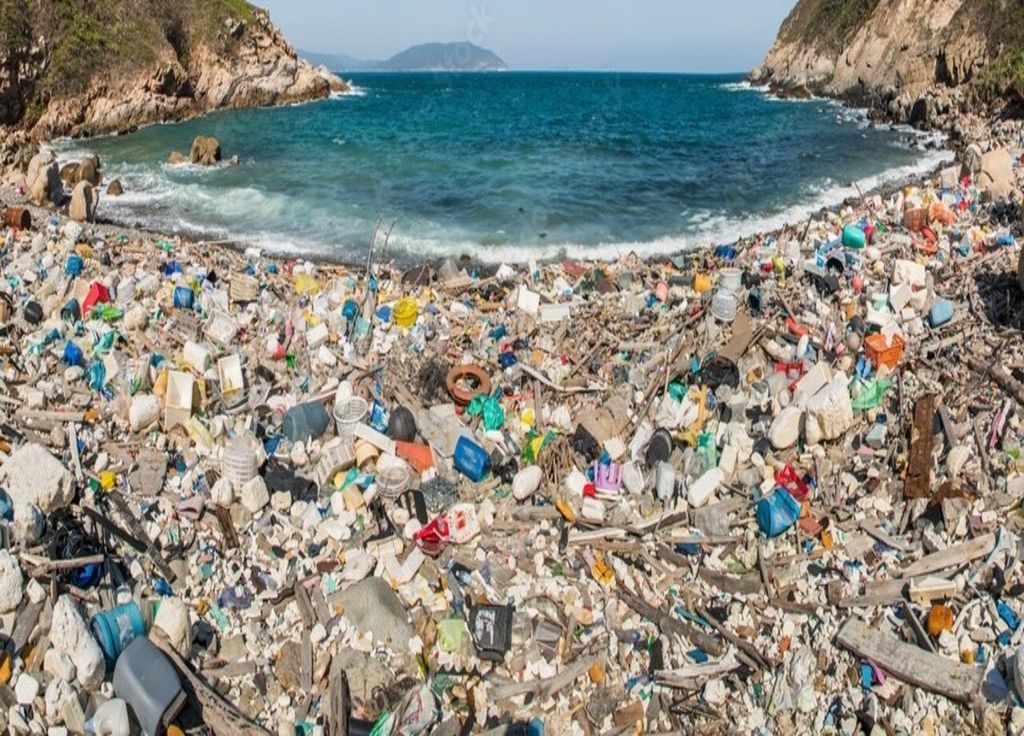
point(116, 629)
point(777, 513)
point(73, 266)
point(184, 297)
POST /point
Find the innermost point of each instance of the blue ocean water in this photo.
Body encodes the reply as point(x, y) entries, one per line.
point(508, 166)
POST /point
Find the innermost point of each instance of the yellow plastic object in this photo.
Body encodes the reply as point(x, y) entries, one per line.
point(601, 572)
point(108, 479)
point(405, 312)
point(565, 510)
point(701, 283)
point(306, 284)
point(528, 418)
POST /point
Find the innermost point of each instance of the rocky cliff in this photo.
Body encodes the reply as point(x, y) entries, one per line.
point(918, 61)
point(89, 67)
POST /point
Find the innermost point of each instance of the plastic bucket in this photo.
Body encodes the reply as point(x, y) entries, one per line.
point(348, 413)
point(730, 279)
point(393, 481)
point(116, 629)
point(723, 306)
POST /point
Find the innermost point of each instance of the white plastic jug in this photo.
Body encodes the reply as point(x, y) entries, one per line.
point(110, 719)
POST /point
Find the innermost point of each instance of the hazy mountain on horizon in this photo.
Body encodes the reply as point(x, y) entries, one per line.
point(432, 57)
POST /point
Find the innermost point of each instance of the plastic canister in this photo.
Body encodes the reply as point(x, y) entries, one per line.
point(700, 491)
point(940, 313)
point(116, 629)
point(471, 460)
point(701, 283)
point(305, 421)
point(184, 297)
point(348, 413)
point(723, 306)
point(405, 312)
point(854, 237)
point(777, 513)
point(239, 463)
point(148, 682)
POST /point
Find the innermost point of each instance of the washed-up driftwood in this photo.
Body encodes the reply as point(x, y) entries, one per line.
point(220, 716)
point(911, 664)
point(955, 556)
point(670, 625)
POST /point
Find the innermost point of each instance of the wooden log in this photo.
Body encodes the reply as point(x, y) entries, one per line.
point(922, 435)
point(910, 663)
point(955, 556)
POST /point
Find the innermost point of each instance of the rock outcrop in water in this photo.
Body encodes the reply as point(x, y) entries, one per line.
point(918, 61)
point(78, 68)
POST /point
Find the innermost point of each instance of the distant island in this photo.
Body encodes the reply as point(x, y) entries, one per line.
point(427, 57)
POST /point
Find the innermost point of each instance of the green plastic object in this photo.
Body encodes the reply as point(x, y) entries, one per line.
point(853, 237)
point(490, 409)
point(872, 394)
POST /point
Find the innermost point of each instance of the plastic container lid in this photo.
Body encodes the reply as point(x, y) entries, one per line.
point(723, 306)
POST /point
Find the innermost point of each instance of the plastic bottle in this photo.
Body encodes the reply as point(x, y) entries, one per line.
point(305, 421)
point(110, 719)
point(471, 459)
point(665, 481)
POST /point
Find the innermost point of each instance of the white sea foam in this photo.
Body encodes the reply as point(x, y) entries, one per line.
point(353, 91)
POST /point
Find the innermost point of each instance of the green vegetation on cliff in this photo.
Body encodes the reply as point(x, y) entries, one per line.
point(83, 40)
point(827, 24)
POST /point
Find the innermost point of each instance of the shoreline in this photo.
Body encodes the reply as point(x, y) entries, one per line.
point(926, 141)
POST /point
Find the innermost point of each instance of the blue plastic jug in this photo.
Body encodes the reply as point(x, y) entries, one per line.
point(777, 513)
point(471, 460)
point(116, 629)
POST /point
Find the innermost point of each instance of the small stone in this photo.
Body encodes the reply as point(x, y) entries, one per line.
point(281, 501)
point(26, 689)
point(11, 582)
point(254, 495)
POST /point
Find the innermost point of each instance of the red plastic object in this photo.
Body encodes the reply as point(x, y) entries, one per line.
point(434, 537)
point(793, 483)
point(794, 372)
point(98, 294)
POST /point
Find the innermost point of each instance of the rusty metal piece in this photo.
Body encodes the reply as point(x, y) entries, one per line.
point(18, 218)
point(922, 437)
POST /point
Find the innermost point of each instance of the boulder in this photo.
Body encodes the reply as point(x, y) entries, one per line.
point(116, 189)
point(205, 151)
point(43, 181)
point(176, 159)
point(995, 180)
point(83, 202)
point(89, 170)
point(70, 636)
point(11, 582)
point(69, 173)
point(371, 605)
point(32, 475)
point(972, 161)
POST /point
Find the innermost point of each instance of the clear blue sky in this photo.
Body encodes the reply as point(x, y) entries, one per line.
point(668, 35)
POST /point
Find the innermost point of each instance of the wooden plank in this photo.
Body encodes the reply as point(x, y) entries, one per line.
point(922, 435)
point(955, 556)
point(885, 538)
point(911, 664)
point(305, 605)
point(217, 714)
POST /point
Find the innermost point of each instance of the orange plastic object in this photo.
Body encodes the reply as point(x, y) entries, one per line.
point(940, 619)
point(881, 354)
point(420, 457)
point(939, 212)
point(795, 329)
